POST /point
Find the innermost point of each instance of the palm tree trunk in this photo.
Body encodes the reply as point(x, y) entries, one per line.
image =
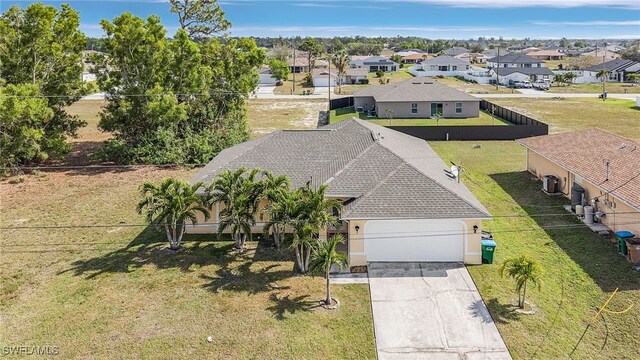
point(307, 258)
point(524, 294)
point(328, 299)
point(299, 259)
point(276, 236)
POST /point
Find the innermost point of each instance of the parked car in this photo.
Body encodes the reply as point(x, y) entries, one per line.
point(541, 84)
point(527, 84)
point(516, 84)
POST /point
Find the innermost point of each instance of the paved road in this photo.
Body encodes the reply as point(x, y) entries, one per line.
point(431, 311)
point(528, 93)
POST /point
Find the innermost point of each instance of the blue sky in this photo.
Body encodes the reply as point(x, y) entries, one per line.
point(448, 19)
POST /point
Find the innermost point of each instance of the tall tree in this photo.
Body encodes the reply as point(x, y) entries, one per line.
point(200, 18)
point(175, 101)
point(41, 46)
point(170, 205)
point(282, 52)
point(279, 69)
point(603, 75)
point(341, 61)
point(313, 49)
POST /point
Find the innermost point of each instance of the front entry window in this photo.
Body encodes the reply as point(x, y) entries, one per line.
point(436, 108)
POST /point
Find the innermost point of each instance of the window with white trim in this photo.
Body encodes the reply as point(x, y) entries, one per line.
point(459, 108)
point(414, 108)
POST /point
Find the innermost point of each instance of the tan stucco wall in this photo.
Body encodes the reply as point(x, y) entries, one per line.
point(402, 110)
point(619, 216)
point(473, 243)
point(210, 226)
point(356, 243)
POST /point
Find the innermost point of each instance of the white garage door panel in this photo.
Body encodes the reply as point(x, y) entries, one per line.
point(414, 240)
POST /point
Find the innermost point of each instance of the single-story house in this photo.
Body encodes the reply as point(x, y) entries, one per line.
point(403, 53)
point(456, 50)
point(530, 50)
point(523, 74)
point(416, 98)
point(546, 55)
point(603, 164)
point(266, 78)
point(355, 76)
point(397, 206)
point(474, 58)
point(373, 63)
point(445, 65)
point(619, 69)
point(320, 77)
point(301, 64)
point(602, 56)
point(514, 60)
point(416, 58)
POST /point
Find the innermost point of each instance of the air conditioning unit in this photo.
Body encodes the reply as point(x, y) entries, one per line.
point(550, 184)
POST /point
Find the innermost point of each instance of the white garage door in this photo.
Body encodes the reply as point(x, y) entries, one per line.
point(414, 240)
point(322, 81)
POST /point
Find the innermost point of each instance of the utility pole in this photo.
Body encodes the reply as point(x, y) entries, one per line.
point(329, 85)
point(294, 68)
point(498, 67)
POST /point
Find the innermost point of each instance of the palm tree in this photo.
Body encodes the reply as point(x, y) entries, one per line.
point(603, 75)
point(171, 204)
point(276, 191)
point(570, 77)
point(240, 194)
point(522, 269)
point(341, 61)
point(326, 256)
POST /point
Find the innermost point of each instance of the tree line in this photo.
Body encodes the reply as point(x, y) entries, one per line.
point(168, 100)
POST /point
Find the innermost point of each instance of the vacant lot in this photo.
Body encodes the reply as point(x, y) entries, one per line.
point(483, 119)
point(566, 114)
point(388, 78)
point(266, 116)
point(612, 88)
point(287, 87)
point(581, 268)
point(472, 88)
point(100, 284)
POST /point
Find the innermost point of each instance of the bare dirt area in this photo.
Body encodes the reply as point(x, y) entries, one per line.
point(266, 116)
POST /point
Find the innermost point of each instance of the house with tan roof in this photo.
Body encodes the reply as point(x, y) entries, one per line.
point(400, 202)
point(416, 58)
point(416, 98)
point(546, 55)
point(604, 165)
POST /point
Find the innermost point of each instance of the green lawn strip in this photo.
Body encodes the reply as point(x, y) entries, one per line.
point(483, 119)
point(581, 267)
point(618, 116)
point(287, 86)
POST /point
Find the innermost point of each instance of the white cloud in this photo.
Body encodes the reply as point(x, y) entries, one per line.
point(521, 3)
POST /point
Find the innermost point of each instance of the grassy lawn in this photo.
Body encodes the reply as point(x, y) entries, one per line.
point(471, 88)
point(566, 114)
point(483, 119)
point(612, 88)
point(99, 291)
point(553, 64)
point(287, 87)
point(581, 268)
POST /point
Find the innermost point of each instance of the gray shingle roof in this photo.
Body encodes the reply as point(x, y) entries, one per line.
point(613, 65)
point(416, 89)
point(385, 173)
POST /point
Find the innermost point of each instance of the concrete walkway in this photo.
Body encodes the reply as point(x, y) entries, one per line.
point(431, 311)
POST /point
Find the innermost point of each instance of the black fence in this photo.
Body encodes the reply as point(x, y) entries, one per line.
point(340, 103)
point(521, 126)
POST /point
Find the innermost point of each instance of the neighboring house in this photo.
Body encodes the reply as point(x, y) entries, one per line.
point(603, 164)
point(355, 76)
point(619, 69)
point(445, 65)
point(456, 50)
point(301, 64)
point(88, 65)
point(404, 53)
point(515, 61)
point(603, 56)
point(474, 58)
point(416, 98)
point(546, 55)
point(266, 78)
point(397, 206)
point(373, 63)
point(324, 77)
point(529, 50)
point(416, 58)
point(505, 75)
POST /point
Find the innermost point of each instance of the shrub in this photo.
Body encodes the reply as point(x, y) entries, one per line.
point(363, 81)
point(379, 73)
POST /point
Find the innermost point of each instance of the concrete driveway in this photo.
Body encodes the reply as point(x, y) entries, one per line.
point(431, 311)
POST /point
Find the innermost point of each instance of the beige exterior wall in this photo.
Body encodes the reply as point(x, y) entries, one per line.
point(620, 216)
point(473, 243)
point(402, 110)
point(356, 243)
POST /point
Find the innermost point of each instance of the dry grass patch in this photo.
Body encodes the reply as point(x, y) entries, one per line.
point(568, 114)
point(473, 88)
point(266, 116)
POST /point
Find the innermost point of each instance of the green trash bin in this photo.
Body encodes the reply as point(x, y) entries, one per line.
point(488, 248)
point(622, 245)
